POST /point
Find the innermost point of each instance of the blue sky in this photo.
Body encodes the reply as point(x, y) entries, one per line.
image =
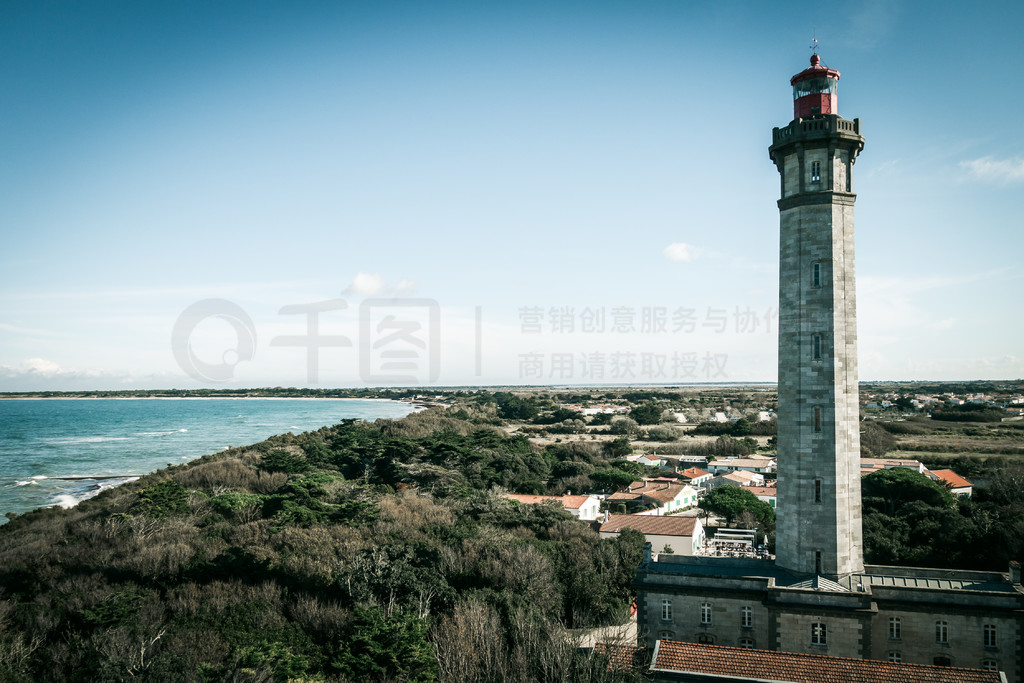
point(494, 176)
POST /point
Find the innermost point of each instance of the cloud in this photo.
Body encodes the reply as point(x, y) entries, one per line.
point(40, 367)
point(681, 251)
point(372, 284)
point(1000, 171)
point(366, 284)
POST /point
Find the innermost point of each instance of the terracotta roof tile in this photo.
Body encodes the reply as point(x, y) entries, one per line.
point(568, 502)
point(761, 490)
point(667, 525)
point(693, 473)
point(952, 478)
point(716, 660)
point(622, 657)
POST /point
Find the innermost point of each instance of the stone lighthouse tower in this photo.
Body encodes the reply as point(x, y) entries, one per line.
point(819, 524)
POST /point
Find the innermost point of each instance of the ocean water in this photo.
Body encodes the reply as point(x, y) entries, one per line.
point(62, 451)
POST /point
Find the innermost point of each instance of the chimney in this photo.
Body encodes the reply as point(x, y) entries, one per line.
point(1014, 572)
point(647, 553)
point(607, 516)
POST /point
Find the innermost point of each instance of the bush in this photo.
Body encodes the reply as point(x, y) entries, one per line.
point(280, 460)
point(162, 499)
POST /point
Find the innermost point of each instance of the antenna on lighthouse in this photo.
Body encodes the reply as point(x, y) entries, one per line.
point(814, 41)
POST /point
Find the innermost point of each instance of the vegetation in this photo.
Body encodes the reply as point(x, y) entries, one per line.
point(731, 502)
point(361, 552)
point(909, 519)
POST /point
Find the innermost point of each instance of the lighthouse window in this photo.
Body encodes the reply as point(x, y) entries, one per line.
point(817, 418)
point(815, 86)
point(816, 347)
point(815, 171)
point(816, 275)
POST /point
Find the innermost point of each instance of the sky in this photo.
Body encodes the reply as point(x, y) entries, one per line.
point(342, 194)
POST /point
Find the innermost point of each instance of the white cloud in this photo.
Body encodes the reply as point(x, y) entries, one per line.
point(990, 169)
point(681, 251)
point(40, 367)
point(366, 284)
point(372, 284)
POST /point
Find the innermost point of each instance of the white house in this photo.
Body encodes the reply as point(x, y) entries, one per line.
point(586, 508)
point(682, 535)
point(667, 496)
point(695, 475)
point(869, 465)
point(646, 459)
point(765, 493)
point(762, 464)
point(958, 486)
point(737, 478)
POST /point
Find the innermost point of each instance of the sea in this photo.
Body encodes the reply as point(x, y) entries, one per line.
point(62, 451)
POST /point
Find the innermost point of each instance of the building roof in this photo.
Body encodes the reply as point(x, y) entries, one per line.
point(889, 462)
point(694, 473)
point(660, 490)
point(952, 478)
point(568, 502)
point(741, 462)
point(740, 477)
point(622, 657)
point(667, 525)
point(766, 665)
point(761, 490)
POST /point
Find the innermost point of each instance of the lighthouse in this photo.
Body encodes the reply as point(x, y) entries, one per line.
point(819, 524)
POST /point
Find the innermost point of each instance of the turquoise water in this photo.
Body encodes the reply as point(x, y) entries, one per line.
point(62, 451)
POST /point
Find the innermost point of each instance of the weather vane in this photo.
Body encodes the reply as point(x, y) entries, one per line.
point(814, 42)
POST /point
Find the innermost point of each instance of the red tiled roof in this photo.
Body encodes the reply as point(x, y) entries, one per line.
point(659, 490)
point(741, 476)
point(622, 657)
point(761, 490)
point(693, 473)
point(952, 478)
point(667, 525)
point(568, 502)
point(717, 660)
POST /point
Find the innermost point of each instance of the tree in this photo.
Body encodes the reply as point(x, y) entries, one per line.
point(647, 414)
point(730, 501)
point(388, 648)
point(890, 489)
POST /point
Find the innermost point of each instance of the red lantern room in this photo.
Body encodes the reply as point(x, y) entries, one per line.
point(815, 90)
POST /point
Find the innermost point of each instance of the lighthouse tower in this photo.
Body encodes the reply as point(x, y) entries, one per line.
point(819, 522)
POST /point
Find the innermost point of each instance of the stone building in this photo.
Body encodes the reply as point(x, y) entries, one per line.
point(817, 596)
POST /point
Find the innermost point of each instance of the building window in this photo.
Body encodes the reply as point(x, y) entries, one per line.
point(816, 275)
point(990, 635)
point(747, 643)
point(818, 634)
point(705, 639)
point(666, 635)
point(747, 620)
point(817, 418)
point(666, 610)
point(815, 171)
point(895, 656)
point(816, 347)
point(817, 490)
point(942, 633)
point(705, 613)
point(990, 665)
point(817, 561)
point(942, 661)
point(895, 629)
